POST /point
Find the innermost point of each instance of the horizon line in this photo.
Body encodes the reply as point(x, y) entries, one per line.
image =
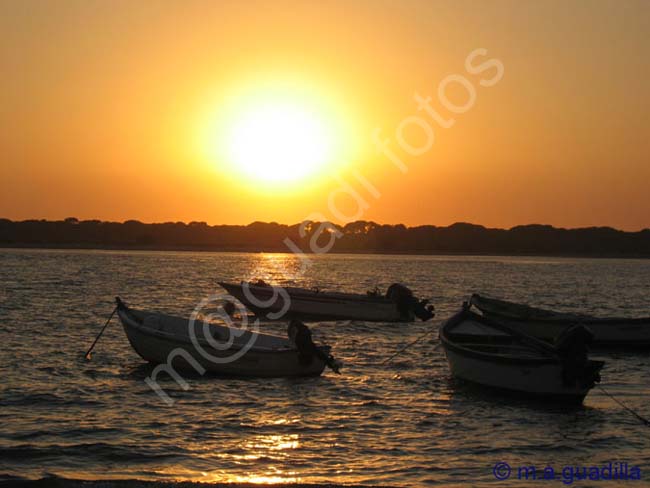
point(75, 220)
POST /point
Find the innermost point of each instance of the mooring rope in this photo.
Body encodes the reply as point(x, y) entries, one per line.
point(638, 416)
point(410, 344)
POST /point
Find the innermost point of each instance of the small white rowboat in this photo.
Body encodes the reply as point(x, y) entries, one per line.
point(547, 324)
point(488, 353)
point(160, 339)
point(274, 302)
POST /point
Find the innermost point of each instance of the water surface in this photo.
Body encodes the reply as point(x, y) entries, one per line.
point(405, 423)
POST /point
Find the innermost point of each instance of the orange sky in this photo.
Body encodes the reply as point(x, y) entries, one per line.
point(122, 110)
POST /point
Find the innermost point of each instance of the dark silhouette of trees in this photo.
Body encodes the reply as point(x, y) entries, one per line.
point(360, 236)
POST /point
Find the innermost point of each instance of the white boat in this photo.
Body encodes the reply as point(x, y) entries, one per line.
point(275, 302)
point(485, 352)
point(194, 344)
point(547, 324)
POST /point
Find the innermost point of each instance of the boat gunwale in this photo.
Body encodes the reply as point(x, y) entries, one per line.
point(169, 337)
point(483, 304)
point(324, 296)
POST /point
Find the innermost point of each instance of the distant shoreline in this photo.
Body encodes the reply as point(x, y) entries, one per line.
point(190, 249)
point(360, 237)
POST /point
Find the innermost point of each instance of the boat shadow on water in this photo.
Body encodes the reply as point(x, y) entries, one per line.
point(142, 371)
point(465, 391)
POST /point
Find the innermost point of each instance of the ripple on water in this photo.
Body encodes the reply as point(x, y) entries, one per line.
point(406, 422)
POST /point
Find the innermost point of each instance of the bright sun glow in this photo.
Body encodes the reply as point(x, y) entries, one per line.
point(277, 135)
point(279, 142)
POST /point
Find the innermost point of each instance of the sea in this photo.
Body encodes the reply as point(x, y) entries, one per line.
point(382, 422)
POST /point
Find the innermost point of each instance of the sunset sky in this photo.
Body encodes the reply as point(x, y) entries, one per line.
point(231, 112)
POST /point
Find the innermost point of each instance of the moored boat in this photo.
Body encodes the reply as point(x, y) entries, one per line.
point(547, 324)
point(195, 345)
point(276, 302)
point(488, 353)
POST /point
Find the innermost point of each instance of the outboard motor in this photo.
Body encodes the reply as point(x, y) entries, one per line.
point(402, 296)
point(407, 303)
point(423, 311)
point(300, 335)
point(573, 347)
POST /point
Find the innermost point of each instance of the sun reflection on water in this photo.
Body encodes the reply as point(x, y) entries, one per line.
point(266, 479)
point(266, 449)
point(273, 442)
point(279, 269)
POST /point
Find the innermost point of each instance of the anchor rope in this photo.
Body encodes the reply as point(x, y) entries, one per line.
point(410, 344)
point(638, 416)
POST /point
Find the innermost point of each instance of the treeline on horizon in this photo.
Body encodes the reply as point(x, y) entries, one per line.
point(359, 236)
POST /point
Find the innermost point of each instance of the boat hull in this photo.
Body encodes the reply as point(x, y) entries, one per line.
point(538, 381)
point(160, 348)
point(606, 334)
point(315, 306)
point(493, 355)
point(548, 324)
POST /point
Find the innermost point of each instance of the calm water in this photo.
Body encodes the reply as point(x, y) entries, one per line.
point(407, 423)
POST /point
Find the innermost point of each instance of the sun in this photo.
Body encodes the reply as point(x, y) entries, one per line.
point(279, 142)
point(279, 134)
